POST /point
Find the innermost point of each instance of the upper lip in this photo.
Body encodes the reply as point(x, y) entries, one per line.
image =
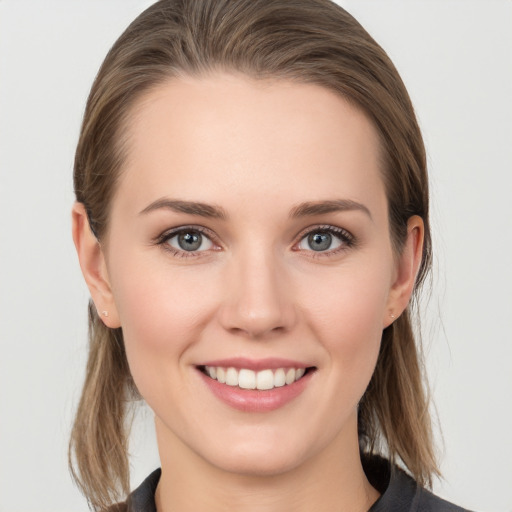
point(271, 363)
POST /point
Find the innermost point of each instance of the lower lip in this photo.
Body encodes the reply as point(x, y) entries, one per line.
point(252, 400)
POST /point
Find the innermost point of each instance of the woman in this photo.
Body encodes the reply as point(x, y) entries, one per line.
point(252, 221)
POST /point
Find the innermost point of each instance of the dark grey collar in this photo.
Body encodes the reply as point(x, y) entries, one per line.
point(399, 492)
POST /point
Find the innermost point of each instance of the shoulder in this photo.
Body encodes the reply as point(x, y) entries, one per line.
point(400, 492)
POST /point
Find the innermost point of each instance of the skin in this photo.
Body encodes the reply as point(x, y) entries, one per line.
point(256, 149)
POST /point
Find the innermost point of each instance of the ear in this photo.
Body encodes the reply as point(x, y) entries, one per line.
point(406, 270)
point(93, 265)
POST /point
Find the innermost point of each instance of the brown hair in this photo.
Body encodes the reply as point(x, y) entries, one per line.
point(309, 41)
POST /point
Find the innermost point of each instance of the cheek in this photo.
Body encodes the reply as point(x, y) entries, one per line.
point(161, 313)
point(346, 315)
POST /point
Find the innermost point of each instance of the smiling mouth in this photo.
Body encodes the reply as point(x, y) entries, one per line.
point(262, 380)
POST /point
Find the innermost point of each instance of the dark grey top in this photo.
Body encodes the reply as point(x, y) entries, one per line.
point(399, 492)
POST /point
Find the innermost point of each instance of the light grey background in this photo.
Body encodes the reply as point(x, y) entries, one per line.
point(456, 59)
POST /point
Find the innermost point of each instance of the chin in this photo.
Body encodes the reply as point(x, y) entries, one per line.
point(259, 459)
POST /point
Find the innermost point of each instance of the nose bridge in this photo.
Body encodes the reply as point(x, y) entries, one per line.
point(258, 299)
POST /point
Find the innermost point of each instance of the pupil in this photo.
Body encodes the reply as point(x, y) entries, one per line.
point(190, 241)
point(319, 241)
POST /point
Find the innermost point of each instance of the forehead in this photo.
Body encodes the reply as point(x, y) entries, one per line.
point(230, 133)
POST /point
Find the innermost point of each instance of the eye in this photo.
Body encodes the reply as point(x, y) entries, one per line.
point(326, 239)
point(188, 240)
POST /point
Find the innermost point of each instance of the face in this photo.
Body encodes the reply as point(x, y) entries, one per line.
point(248, 247)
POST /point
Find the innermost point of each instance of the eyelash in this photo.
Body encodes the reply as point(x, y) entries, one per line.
point(168, 235)
point(347, 240)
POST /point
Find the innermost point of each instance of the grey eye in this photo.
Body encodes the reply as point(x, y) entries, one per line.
point(190, 240)
point(320, 241)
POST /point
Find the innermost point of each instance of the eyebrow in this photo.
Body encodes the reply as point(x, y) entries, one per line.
point(322, 207)
point(190, 207)
point(306, 209)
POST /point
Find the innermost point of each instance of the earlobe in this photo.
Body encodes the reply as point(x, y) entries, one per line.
point(93, 265)
point(408, 264)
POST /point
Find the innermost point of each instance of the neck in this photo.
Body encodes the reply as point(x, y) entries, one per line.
point(330, 481)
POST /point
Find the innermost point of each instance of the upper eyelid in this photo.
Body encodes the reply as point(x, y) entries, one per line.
point(172, 232)
point(324, 227)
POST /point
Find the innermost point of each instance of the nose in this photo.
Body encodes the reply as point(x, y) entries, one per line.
point(258, 295)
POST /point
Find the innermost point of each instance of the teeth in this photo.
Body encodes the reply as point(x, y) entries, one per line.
point(290, 376)
point(246, 379)
point(279, 378)
point(249, 379)
point(231, 377)
point(264, 379)
point(221, 375)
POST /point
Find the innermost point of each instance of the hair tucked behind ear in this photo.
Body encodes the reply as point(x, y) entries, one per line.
point(308, 41)
point(99, 437)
